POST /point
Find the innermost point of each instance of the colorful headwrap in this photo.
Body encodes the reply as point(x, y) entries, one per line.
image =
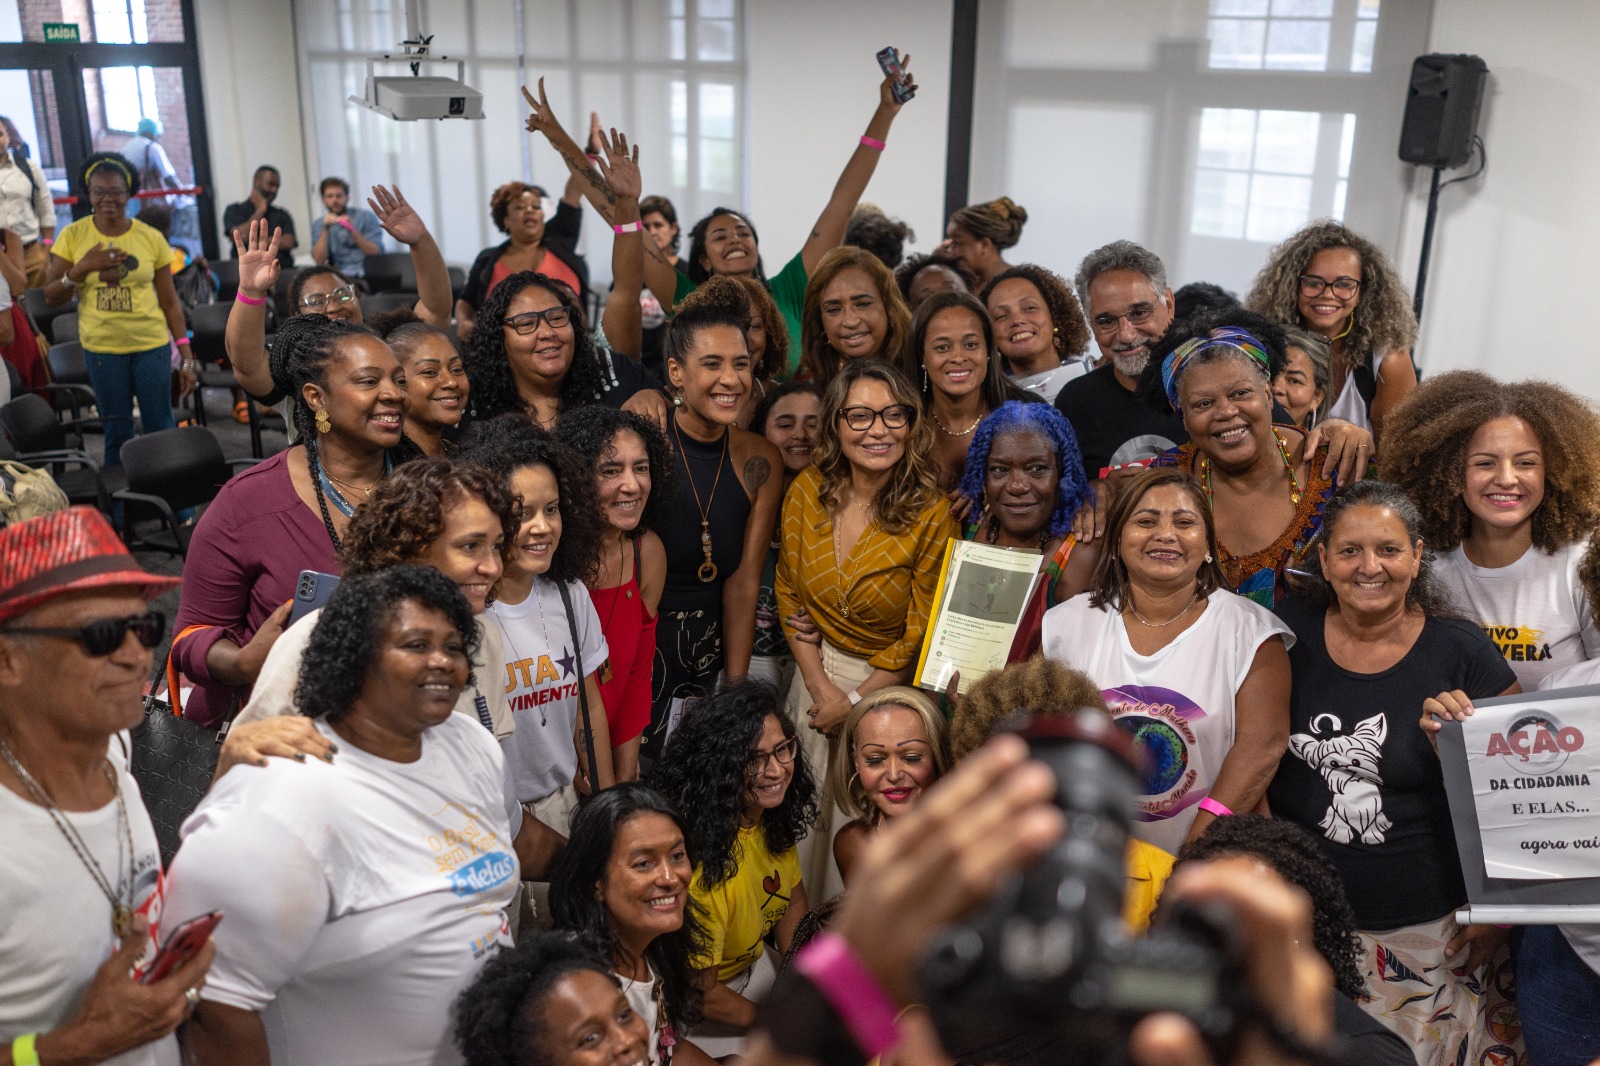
point(1226, 337)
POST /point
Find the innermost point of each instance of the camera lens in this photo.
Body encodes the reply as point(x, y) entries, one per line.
point(458, 105)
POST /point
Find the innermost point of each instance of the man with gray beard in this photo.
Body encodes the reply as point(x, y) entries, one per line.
point(1123, 289)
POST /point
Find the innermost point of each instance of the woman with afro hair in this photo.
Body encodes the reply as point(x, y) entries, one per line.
point(517, 210)
point(1507, 477)
point(737, 771)
point(1331, 280)
point(530, 1001)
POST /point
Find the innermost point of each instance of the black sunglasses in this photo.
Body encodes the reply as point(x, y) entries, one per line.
point(104, 635)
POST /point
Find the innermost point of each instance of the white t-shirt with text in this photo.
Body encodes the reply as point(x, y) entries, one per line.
point(360, 896)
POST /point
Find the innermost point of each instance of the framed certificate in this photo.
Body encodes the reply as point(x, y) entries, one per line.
point(1523, 778)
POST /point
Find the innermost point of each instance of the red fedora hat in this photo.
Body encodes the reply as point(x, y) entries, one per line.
point(65, 551)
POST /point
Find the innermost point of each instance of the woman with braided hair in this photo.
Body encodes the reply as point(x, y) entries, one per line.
point(978, 233)
point(287, 514)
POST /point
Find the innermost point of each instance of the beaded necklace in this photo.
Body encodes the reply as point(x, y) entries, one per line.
point(1288, 465)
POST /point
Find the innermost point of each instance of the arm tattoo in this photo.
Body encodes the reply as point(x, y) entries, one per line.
point(756, 471)
point(590, 173)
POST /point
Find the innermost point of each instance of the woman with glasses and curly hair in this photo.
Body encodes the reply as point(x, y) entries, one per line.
point(736, 770)
point(1039, 328)
point(1507, 477)
point(1331, 280)
point(864, 532)
point(532, 353)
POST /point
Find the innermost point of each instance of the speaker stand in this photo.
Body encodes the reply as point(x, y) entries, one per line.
point(1427, 243)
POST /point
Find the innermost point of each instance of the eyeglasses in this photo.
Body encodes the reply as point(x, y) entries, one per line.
point(1315, 285)
point(895, 416)
point(525, 324)
point(104, 635)
point(1137, 315)
point(343, 294)
point(108, 193)
point(784, 753)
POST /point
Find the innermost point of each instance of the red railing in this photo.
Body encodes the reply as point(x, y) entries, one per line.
point(148, 194)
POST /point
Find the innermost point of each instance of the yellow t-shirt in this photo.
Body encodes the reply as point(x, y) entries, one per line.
point(123, 317)
point(1148, 869)
point(742, 910)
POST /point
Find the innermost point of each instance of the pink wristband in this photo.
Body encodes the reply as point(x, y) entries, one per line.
point(249, 301)
point(182, 342)
point(1209, 804)
point(628, 227)
point(872, 142)
point(831, 965)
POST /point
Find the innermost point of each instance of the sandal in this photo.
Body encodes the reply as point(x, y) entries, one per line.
point(241, 412)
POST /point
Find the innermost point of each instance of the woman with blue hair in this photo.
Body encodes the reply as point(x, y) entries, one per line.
point(1024, 481)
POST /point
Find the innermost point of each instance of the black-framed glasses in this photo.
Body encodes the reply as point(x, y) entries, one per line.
point(895, 416)
point(108, 193)
point(784, 753)
point(104, 635)
point(342, 295)
point(1137, 315)
point(526, 323)
point(1316, 284)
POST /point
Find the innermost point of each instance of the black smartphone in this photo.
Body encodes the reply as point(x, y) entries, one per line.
point(901, 89)
point(310, 592)
point(184, 944)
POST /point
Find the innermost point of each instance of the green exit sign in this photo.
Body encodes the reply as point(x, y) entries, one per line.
point(63, 32)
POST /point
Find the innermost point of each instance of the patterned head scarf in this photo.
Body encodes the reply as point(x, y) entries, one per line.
point(1241, 340)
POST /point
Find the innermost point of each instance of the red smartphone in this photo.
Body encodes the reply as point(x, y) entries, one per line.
point(901, 89)
point(184, 944)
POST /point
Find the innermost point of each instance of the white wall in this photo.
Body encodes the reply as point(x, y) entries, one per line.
point(1508, 290)
point(812, 85)
point(252, 100)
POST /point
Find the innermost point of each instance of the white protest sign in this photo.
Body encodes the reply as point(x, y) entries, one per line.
point(1535, 768)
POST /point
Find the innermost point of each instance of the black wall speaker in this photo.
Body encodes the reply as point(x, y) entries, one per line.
point(1442, 107)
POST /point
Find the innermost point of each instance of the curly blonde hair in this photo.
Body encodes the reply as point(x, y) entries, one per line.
point(842, 776)
point(914, 484)
point(819, 362)
point(1041, 685)
point(1425, 443)
point(1383, 318)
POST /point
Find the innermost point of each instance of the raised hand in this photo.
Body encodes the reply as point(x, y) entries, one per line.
point(542, 118)
point(620, 167)
point(886, 100)
point(258, 258)
point(597, 135)
point(397, 217)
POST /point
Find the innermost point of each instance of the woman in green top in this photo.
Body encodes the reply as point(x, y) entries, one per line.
point(724, 242)
point(128, 311)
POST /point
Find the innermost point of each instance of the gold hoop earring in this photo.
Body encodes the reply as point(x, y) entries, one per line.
point(324, 424)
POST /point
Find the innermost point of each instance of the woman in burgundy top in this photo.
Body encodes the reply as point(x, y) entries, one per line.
point(286, 514)
point(634, 481)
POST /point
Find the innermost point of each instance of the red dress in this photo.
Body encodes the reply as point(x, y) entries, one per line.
point(631, 635)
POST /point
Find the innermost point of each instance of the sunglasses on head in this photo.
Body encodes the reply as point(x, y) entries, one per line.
point(104, 635)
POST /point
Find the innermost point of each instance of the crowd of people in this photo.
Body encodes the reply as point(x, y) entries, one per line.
point(606, 745)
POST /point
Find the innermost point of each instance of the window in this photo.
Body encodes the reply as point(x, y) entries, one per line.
point(1255, 172)
point(1290, 34)
point(129, 94)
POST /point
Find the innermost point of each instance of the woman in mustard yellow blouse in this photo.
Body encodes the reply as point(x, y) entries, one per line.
point(864, 531)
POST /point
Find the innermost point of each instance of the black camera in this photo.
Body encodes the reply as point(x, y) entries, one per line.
point(1048, 972)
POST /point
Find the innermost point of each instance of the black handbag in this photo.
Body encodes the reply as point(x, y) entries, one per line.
point(173, 760)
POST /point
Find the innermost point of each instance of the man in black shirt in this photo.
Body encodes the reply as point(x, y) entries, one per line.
point(1124, 291)
point(263, 190)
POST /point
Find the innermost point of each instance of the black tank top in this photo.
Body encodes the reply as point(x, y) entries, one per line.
point(727, 511)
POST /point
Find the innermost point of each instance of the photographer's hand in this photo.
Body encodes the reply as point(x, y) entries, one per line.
point(1289, 978)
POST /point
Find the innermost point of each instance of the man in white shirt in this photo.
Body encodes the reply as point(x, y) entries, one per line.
point(25, 205)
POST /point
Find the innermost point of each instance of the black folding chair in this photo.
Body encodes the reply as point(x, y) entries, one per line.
point(385, 302)
point(385, 272)
point(65, 327)
point(170, 471)
point(43, 314)
point(41, 440)
point(70, 389)
point(227, 272)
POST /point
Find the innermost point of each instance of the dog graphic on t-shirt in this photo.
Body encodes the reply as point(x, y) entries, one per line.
point(1349, 764)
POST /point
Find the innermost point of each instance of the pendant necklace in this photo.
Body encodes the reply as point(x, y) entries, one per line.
point(707, 571)
point(121, 909)
point(848, 581)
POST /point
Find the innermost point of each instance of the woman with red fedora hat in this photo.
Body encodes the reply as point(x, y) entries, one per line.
point(81, 885)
